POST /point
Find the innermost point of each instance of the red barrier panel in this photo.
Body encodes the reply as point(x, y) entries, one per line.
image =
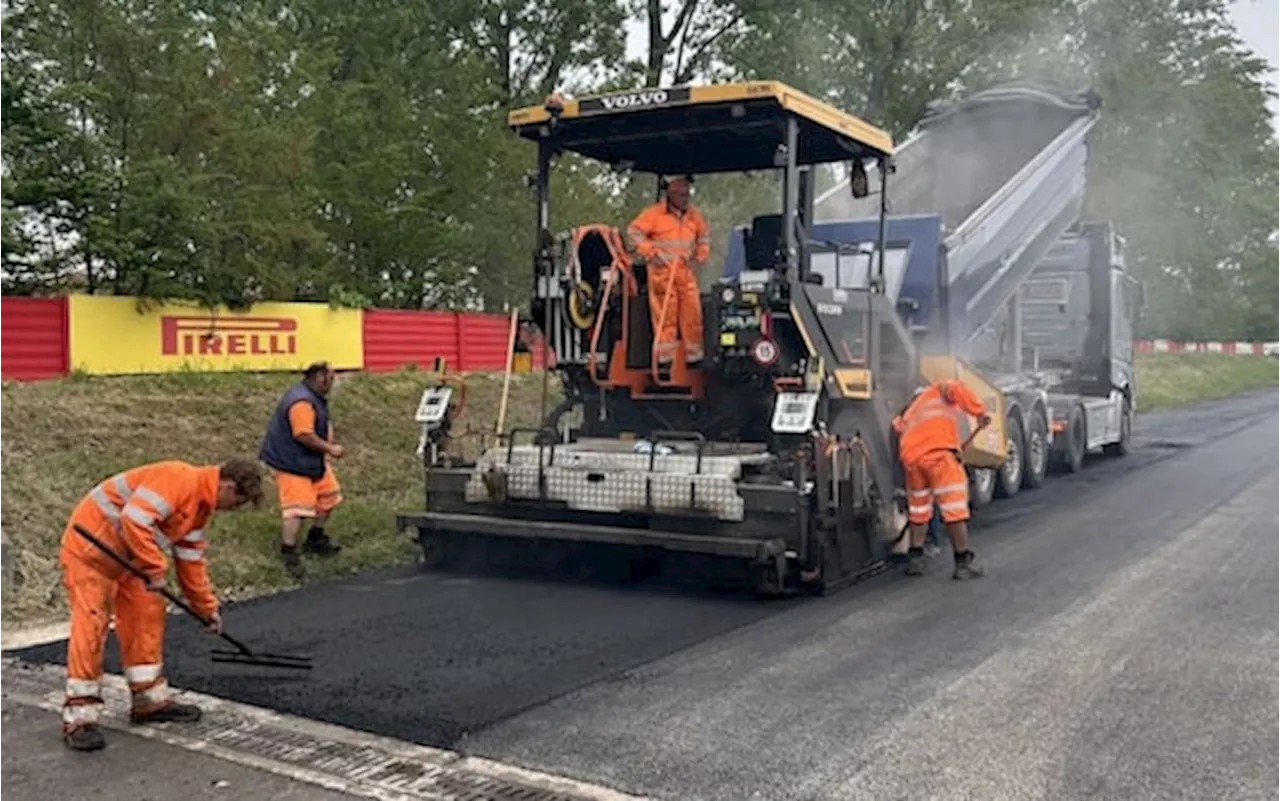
point(34, 335)
point(394, 338)
point(1174, 346)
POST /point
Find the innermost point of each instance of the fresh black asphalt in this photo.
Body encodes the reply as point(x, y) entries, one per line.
point(1078, 668)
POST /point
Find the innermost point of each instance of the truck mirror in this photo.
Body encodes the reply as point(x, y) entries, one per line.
point(858, 180)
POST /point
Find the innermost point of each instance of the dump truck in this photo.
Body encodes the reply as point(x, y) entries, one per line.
point(989, 261)
point(774, 453)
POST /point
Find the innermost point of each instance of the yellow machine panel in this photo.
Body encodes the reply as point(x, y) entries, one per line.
point(853, 382)
point(989, 448)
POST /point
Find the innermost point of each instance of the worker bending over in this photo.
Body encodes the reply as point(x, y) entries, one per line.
point(672, 236)
point(298, 445)
point(929, 447)
point(141, 514)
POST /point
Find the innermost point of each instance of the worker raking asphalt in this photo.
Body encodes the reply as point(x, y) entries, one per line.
point(432, 657)
point(428, 657)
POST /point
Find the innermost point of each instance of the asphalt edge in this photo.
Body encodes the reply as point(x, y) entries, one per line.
point(43, 690)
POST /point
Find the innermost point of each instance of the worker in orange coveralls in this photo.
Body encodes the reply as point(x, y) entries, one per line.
point(298, 446)
point(141, 514)
point(929, 446)
point(672, 237)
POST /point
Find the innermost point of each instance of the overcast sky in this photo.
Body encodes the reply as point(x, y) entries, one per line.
point(1258, 22)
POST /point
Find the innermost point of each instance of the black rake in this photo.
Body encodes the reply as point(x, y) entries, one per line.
point(242, 655)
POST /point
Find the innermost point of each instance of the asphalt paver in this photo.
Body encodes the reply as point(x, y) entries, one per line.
point(1126, 607)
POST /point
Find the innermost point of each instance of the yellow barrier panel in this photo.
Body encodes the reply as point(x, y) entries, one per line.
point(110, 337)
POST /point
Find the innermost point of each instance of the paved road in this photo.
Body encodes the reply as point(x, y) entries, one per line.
point(1123, 645)
point(36, 765)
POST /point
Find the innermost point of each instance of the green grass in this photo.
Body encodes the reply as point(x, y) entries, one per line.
point(1176, 379)
point(61, 437)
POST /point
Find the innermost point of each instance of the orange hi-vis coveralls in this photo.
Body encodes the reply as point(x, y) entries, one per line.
point(929, 446)
point(673, 245)
point(141, 514)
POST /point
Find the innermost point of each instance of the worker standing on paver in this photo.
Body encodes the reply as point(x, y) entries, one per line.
point(141, 514)
point(298, 446)
point(929, 447)
point(672, 236)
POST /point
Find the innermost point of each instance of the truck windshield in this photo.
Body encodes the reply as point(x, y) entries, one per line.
point(845, 329)
point(852, 267)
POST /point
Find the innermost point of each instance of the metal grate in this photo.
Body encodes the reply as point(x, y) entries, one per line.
point(302, 749)
point(482, 788)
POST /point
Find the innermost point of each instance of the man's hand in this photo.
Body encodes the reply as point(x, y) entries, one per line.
point(336, 451)
point(156, 582)
point(215, 623)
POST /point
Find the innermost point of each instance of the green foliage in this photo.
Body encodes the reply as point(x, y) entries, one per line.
point(315, 151)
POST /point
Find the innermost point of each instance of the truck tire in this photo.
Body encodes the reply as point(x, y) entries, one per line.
point(1070, 457)
point(982, 487)
point(1009, 474)
point(1035, 458)
point(1121, 448)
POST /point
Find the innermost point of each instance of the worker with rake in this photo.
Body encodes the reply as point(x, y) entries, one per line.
point(929, 446)
point(143, 513)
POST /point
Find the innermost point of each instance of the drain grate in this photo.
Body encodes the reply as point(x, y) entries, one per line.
point(464, 787)
point(319, 753)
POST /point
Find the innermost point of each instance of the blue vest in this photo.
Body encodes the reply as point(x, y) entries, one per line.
point(280, 450)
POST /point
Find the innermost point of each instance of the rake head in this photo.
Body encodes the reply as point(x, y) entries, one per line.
point(263, 660)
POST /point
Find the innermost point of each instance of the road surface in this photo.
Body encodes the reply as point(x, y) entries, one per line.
point(1123, 645)
point(132, 769)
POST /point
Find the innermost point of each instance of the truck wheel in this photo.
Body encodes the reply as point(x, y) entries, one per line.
point(1071, 456)
point(1036, 456)
point(982, 487)
point(1009, 474)
point(1121, 448)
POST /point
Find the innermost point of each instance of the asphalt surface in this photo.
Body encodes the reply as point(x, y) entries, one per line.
point(36, 765)
point(1123, 644)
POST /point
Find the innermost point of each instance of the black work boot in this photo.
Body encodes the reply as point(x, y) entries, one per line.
point(172, 713)
point(319, 543)
point(85, 738)
point(293, 561)
point(966, 567)
point(915, 562)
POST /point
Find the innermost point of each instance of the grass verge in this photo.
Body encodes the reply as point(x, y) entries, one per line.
point(61, 437)
point(1176, 379)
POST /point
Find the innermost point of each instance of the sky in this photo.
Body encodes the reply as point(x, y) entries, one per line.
point(1258, 23)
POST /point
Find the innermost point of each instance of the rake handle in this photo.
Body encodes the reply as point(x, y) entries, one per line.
point(127, 565)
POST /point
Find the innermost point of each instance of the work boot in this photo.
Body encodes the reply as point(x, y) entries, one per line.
point(293, 562)
point(171, 713)
point(966, 567)
point(85, 738)
point(319, 543)
point(915, 562)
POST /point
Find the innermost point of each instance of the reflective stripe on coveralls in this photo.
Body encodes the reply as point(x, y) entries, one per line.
point(929, 439)
point(131, 512)
point(672, 244)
